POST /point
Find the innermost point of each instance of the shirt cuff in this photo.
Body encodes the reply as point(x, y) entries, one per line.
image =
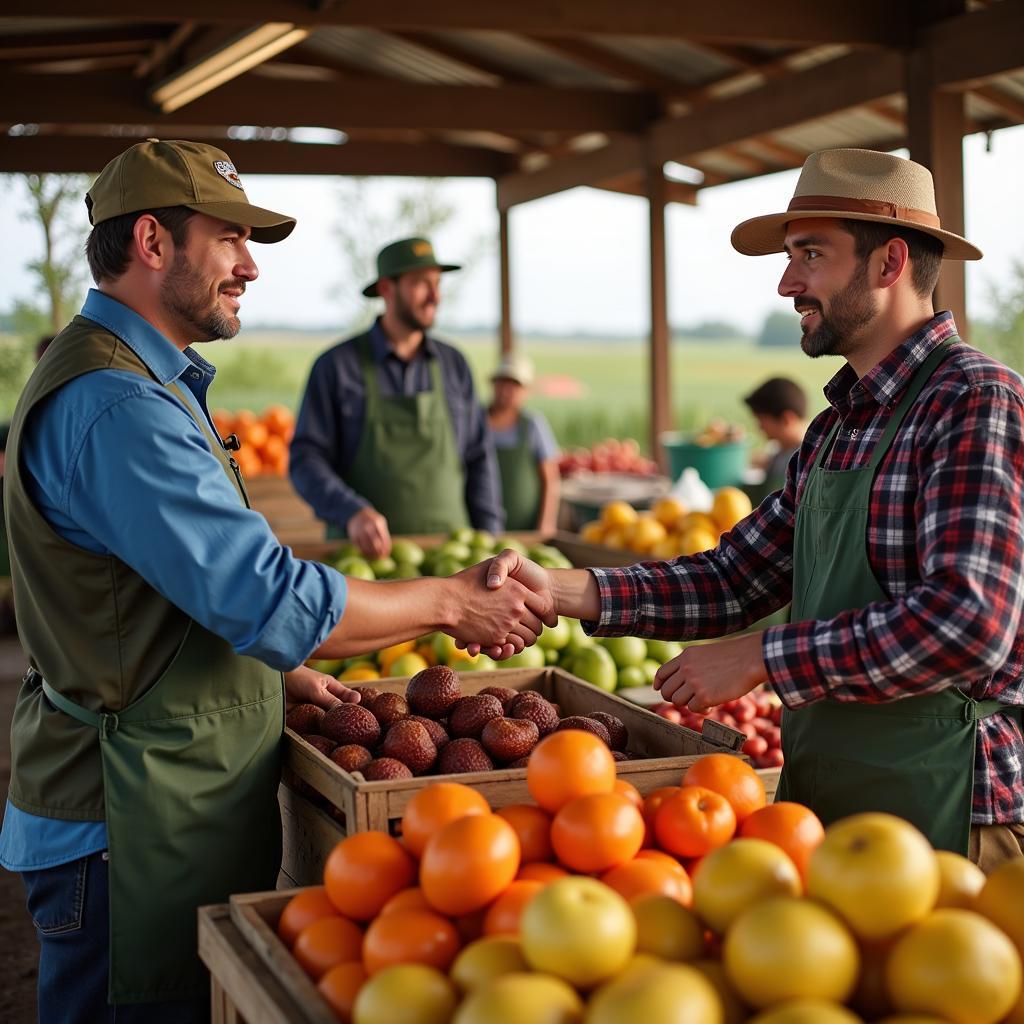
point(619, 594)
point(790, 656)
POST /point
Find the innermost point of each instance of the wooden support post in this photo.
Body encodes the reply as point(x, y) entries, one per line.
point(506, 289)
point(936, 122)
point(660, 379)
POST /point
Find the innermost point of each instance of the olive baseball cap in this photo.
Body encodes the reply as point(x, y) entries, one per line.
point(401, 257)
point(155, 173)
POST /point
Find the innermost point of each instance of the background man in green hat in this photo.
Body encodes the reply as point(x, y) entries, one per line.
point(390, 437)
point(898, 536)
point(158, 611)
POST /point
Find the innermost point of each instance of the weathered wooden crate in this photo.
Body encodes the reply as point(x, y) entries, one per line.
point(348, 804)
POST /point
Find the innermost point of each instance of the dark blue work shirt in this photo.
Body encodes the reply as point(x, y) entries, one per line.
point(330, 426)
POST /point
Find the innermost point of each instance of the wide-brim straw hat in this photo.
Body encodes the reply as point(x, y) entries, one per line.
point(856, 184)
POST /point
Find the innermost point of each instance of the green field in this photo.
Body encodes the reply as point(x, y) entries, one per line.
point(709, 378)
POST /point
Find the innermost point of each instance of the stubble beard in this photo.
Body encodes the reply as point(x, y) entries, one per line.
point(186, 295)
point(851, 311)
point(407, 315)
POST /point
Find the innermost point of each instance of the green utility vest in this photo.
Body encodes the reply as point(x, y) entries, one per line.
point(520, 481)
point(134, 714)
point(912, 757)
point(407, 465)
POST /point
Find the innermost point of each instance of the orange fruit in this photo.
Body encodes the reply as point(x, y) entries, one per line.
point(340, 986)
point(694, 822)
point(469, 862)
point(256, 435)
point(645, 534)
point(433, 808)
point(596, 832)
point(387, 655)
point(664, 858)
point(566, 765)
point(668, 511)
point(533, 827)
point(279, 420)
point(304, 908)
point(795, 828)
point(733, 778)
point(364, 871)
point(408, 899)
point(638, 878)
point(410, 937)
point(502, 917)
point(540, 872)
point(630, 792)
point(324, 943)
point(618, 513)
point(652, 802)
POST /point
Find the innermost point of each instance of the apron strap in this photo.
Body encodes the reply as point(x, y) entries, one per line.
point(370, 383)
point(104, 723)
point(975, 710)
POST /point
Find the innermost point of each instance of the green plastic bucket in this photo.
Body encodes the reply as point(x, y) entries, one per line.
point(719, 465)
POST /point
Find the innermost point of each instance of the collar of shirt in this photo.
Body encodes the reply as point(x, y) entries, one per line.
point(886, 381)
point(166, 361)
point(380, 345)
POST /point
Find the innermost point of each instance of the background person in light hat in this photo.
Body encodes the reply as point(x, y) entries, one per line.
point(527, 451)
point(158, 611)
point(390, 438)
point(899, 536)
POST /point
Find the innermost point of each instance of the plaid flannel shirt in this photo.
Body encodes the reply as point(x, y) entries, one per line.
point(945, 539)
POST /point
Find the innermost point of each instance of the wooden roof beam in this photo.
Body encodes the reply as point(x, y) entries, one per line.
point(63, 45)
point(971, 49)
point(635, 184)
point(463, 55)
point(1003, 102)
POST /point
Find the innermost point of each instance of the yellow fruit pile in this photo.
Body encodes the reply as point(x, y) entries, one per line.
point(579, 908)
point(669, 529)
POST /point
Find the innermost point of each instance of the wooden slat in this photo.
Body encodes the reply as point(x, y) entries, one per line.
point(309, 836)
point(659, 367)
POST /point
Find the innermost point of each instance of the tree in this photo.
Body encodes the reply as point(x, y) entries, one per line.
point(1003, 336)
point(780, 330)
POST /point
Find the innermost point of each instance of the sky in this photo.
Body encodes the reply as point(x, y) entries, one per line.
point(579, 258)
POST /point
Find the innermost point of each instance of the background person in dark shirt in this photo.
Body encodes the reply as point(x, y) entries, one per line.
point(780, 407)
point(390, 437)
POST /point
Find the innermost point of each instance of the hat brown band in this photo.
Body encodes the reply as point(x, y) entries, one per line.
point(869, 206)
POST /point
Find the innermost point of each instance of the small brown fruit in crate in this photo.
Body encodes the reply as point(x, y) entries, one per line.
point(388, 708)
point(621, 755)
point(471, 714)
point(436, 730)
point(586, 725)
point(351, 723)
point(321, 743)
point(433, 691)
point(410, 743)
point(463, 755)
point(615, 726)
point(507, 739)
point(519, 762)
point(366, 693)
point(532, 706)
point(305, 719)
point(382, 768)
point(504, 693)
point(351, 756)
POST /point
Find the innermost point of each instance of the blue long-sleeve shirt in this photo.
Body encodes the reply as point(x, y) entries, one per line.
point(330, 426)
point(116, 464)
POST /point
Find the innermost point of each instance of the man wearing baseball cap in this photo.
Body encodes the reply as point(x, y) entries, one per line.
point(158, 611)
point(898, 536)
point(390, 437)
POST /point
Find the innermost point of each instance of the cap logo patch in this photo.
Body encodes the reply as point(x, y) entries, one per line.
point(422, 249)
point(226, 169)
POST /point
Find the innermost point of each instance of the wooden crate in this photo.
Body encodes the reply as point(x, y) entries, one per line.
point(349, 804)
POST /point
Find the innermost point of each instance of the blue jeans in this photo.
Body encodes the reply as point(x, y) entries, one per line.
point(69, 908)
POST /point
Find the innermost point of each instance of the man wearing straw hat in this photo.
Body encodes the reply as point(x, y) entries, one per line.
point(898, 537)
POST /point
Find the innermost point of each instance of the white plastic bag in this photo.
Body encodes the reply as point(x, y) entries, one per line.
point(692, 491)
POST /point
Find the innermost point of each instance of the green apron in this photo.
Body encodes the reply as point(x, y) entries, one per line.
point(520, 481)
point(912, 757)
point(190, 776)
point(407, 465)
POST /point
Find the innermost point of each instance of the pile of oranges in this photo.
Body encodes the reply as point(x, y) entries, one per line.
point(669, 529)
point(698, 904)
point(263, 438)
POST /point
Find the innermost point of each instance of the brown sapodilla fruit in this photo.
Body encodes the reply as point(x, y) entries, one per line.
point(388, 708)
point(471, 714)
point(351, 756)
point(351, 723)
point(463, 755)
point(385, 768)
point(437, 731)
point(433, 691)
point(533, 706)
point(519, 762)
point(586, 725)
point(410, 743)
point(507, 739)
point(620, 755)
point(615, 726)
point(366, 693)
point(305, 718)
point(322, 743)
point(504, 693)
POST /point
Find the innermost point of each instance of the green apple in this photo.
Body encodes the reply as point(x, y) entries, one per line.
point(595, 665)
point(631, 675)
point(446, 565)
point(482, 539)
point(578, 640)
point(510, 542)
point(407, 665)
point(650, 669)
point(578, 929)
point(406, 551)
point(554, 638)
point(528, 657)
point(625, 650)
point(550, 656)
point(477, 554)
point(444, 648)
point(355, 566)
point(331, 666)
point(383, 567)
point(453, 549)
point(406, 571)
point(481, 663)
point(463, 535)
point(663, 650)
